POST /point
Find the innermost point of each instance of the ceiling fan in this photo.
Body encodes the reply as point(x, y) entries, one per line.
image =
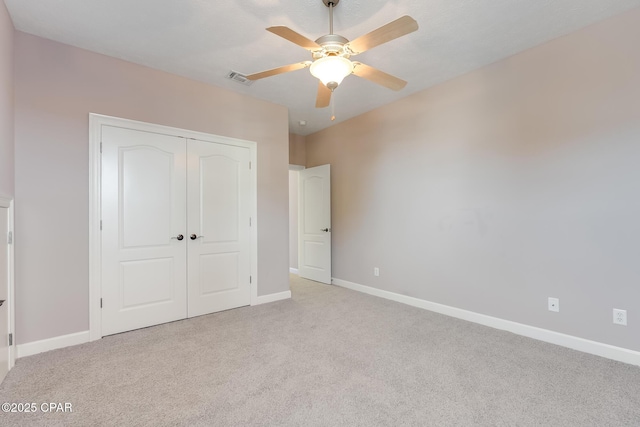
point(331, 53)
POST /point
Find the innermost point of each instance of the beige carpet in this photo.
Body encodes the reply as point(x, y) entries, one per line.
point(327, 357)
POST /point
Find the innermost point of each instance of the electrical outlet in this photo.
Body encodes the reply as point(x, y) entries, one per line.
point(620, 317)
point(554, 304)
point(376, 271)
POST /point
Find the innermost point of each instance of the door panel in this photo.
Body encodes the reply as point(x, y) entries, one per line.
point(146, 174)
point(4, 293)
point(219, 187)
point(143, 210)
point(219, 215)
point(225, 267)
point(313, 252)
point(314, 224)
point(145, 282)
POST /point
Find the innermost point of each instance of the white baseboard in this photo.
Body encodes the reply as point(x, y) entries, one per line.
point(35, 347)
point(293, 270)
point(264, 299)
point(586, 346)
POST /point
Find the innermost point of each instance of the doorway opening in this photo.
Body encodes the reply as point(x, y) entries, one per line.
point(293, 217)
point(312, 236)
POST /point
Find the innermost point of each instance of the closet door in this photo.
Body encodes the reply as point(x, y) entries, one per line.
point(143, 216)
point(218, 197)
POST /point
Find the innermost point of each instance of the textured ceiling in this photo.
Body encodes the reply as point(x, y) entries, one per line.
point(205, 39)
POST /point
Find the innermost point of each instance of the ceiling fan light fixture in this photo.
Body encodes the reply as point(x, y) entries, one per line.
point(331, 70)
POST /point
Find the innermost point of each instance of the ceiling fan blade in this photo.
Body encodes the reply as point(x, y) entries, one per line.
point(377, 76)
point(386, 33)
point(279, 70)
point(293, 37)
point(324, 96)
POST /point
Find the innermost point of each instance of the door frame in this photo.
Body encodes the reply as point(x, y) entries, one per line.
point(96, 121)
point(8, 204)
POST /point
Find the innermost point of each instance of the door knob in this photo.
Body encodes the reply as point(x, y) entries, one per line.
point(326, 230)
point(2, 302)
point(194, 237)
point(179, 237)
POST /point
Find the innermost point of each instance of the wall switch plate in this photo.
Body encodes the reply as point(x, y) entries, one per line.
point(620, 317)
point(376, 271)
point(554, 304)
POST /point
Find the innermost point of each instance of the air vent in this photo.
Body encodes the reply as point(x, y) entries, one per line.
point(240, 78)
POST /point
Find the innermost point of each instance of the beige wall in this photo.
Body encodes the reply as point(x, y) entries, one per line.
point(6, 103)
point(503, 187)
point(57, 86)
point(297, 150)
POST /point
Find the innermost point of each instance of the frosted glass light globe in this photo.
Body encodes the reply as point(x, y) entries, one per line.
point(331, 69)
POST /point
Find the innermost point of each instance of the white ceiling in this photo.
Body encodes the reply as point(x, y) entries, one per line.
point(205, 39)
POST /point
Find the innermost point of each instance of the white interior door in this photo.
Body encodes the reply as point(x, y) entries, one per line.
point(314, 224)
point(143, 217)
point(4, 293)
point(218, 226)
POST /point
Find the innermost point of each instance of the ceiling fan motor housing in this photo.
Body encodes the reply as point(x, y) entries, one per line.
point(332, 44)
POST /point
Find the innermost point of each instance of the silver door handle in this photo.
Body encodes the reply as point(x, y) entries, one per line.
point(194, 237)
point(179, 237)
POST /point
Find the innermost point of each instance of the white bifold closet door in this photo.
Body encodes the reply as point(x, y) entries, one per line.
point(175, 228)
point(218, 218)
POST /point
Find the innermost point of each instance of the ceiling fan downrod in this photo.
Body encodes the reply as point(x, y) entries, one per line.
point(331, 4)
point(331, 18)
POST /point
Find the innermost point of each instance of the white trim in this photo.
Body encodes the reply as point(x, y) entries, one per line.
point(95, 252)
point(12, 284)
point(296, 167)
point(35, 347)
point(265, 299)
point(11, 305)
point(253, 149)
point(293, 270)
point(96, 121)
point(592, 347)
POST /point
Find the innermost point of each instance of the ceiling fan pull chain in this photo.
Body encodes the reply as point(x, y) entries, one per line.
point(333, 107)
